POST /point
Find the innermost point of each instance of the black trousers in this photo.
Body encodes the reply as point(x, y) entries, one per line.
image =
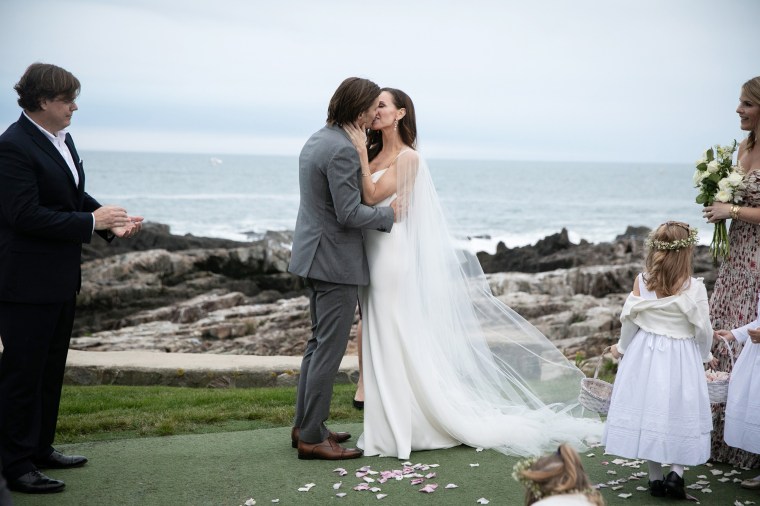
point(36, 342)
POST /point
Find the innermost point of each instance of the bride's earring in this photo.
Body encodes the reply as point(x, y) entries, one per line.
point(395, 124)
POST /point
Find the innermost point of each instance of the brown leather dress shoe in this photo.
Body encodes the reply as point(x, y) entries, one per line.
point(339, 437)
point(328, 449)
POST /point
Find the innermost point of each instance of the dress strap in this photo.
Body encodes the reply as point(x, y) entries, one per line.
point(401, 153)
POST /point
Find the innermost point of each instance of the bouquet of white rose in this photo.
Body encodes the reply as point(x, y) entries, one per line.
point(718, 180)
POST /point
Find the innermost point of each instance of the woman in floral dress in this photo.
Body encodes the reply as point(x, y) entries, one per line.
point(734, 299)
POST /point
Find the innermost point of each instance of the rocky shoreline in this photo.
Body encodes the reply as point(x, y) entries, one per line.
point(169, 293)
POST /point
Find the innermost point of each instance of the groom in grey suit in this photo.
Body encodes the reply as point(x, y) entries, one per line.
point(329, 253)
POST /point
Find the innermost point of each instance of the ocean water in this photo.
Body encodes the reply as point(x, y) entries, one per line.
point(240, 196)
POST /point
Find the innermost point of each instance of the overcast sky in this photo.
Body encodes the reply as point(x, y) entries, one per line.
point(582, 80)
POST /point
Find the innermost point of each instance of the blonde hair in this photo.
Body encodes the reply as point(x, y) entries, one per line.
point(558, 473)
point(752, 89)
point(667, 270)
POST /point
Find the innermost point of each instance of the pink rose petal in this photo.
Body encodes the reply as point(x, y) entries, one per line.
point(429, 488)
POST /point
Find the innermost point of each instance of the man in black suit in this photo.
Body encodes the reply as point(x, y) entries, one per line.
point(45, 216)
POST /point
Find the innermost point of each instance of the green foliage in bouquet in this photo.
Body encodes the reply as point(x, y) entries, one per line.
point(718, 180)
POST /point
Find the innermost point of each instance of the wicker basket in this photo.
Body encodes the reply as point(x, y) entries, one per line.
point(595, 393)
point(717, 390)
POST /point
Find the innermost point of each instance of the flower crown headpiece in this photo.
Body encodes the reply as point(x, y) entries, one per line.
point(535, 490)
point(689, 241)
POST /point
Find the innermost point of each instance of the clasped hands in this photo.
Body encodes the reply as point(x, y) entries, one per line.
point(116, 219)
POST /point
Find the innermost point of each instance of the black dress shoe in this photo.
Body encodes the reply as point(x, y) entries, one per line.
point(58, 460)
point(358, 404)
point(656, 488)
point(674, 486)
point(34, 482)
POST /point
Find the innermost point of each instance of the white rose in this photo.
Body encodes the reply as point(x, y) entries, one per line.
point(735, 179)
point(699, 175)
point(723, 196)
point(725, 184)
point(713, 167)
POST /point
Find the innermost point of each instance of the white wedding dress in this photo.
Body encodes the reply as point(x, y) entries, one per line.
point(444, 361)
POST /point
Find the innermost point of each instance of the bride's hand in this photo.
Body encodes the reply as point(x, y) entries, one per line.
point(357, 135)
point(716, 212)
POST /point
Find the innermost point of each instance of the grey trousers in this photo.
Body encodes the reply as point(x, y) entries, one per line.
point(332, 309)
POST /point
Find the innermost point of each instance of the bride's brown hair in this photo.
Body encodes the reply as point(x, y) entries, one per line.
point(752, 89)
point(668, 269)
point(407, 126)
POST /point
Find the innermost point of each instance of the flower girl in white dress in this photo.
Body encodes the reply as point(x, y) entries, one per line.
point(660, 409)
point(743, 407)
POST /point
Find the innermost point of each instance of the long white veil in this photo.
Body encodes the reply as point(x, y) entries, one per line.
point(496, 382)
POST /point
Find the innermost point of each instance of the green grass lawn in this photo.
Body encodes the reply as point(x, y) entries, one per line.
point(113, 412)
point(185, 446)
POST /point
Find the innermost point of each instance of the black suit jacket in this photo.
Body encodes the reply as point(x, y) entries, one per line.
point(44, 218)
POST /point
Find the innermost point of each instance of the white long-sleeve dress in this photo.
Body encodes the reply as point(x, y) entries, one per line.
point(742, 428)
point(660, 408)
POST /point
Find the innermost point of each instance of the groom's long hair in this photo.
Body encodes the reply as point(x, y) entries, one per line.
point(407, 126)
point(354, 96)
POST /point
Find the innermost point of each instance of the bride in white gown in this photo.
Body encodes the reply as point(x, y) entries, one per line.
point(444, 361)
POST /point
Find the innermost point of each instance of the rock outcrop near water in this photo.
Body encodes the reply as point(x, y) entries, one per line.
point(188, 294)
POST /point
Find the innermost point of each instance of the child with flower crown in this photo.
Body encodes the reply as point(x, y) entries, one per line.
point(660, 408)
point(556, 479)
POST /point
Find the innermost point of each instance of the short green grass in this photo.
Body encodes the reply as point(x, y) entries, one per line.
point(114, 412)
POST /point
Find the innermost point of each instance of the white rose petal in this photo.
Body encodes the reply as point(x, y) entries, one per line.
point(482, 500)
point(250, 502)
point(723, 196)
point(624, 496)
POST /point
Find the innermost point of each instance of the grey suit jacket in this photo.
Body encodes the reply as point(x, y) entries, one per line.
point(327, 244)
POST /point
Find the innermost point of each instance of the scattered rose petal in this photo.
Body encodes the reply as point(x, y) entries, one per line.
point(250, 502)
point(605, 463)
point(417, 481)
point(617, 487)
point(703, 482)
point(435, 465)
point(474, 465)
point(429, 488)
point(611, 472)
point(451, 485)
point(478, 449)
point(738, 503)
point(336, 486)
point(430, 475)
point(381, 496)
point(716, 472)
point(724, 479)
point(368, 479)
point(706, 491)
point(619, 461)
point(340, 471)
point(624, 496)
point(362, 486)
point(642, 489)
point(340, 494)
point(482, 500)
point(590, 455)
point(375, 489)
point(702, 477)
point(275, 500)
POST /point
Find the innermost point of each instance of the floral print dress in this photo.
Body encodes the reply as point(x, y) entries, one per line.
point(733, 304)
